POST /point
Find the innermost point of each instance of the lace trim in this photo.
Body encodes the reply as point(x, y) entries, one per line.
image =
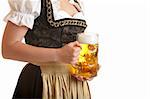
point(66, 21)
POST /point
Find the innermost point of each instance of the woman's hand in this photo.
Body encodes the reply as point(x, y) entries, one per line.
point(81, 78)
point(69, 53)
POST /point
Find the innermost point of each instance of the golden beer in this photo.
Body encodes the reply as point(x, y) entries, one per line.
point(87, 65)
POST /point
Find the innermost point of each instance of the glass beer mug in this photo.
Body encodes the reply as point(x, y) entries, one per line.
point(87, 65)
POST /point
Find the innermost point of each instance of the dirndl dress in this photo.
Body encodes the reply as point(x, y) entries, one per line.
point(52, 81)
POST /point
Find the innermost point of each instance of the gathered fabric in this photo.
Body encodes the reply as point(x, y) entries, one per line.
point(24, 12)
point(59, 84)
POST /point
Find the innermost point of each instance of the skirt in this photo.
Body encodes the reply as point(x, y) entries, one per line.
point(49, 82)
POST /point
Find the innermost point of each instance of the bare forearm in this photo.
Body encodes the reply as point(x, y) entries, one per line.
point(28, 53)
point(13, 48)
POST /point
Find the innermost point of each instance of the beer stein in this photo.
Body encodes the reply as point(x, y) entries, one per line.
point(87, 65)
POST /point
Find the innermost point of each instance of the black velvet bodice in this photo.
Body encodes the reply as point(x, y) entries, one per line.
point(51, 33)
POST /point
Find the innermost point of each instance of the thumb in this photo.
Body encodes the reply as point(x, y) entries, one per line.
point(74, 44)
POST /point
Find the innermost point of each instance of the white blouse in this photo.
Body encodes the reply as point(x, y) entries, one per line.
point(24, 12)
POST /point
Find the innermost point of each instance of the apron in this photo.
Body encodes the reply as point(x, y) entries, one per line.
point(51, 81)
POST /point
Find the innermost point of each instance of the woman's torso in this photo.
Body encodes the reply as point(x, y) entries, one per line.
point(50, 33)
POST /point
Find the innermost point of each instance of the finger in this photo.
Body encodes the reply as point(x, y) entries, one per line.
point(81, 79)
point(74, 63)
point(76, 55)
point(78, 44)
point(77, 48)
point(75, 59)
point(78, 77)
point(76, 51)
point(75, 43)
point(89, 79)
point(98, 67)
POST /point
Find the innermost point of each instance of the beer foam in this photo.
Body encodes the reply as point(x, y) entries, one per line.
point(88, 38)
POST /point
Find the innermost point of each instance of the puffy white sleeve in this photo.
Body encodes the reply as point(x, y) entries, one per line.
point(23, 12)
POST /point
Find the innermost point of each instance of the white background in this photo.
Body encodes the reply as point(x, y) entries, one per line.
point(124, 28)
